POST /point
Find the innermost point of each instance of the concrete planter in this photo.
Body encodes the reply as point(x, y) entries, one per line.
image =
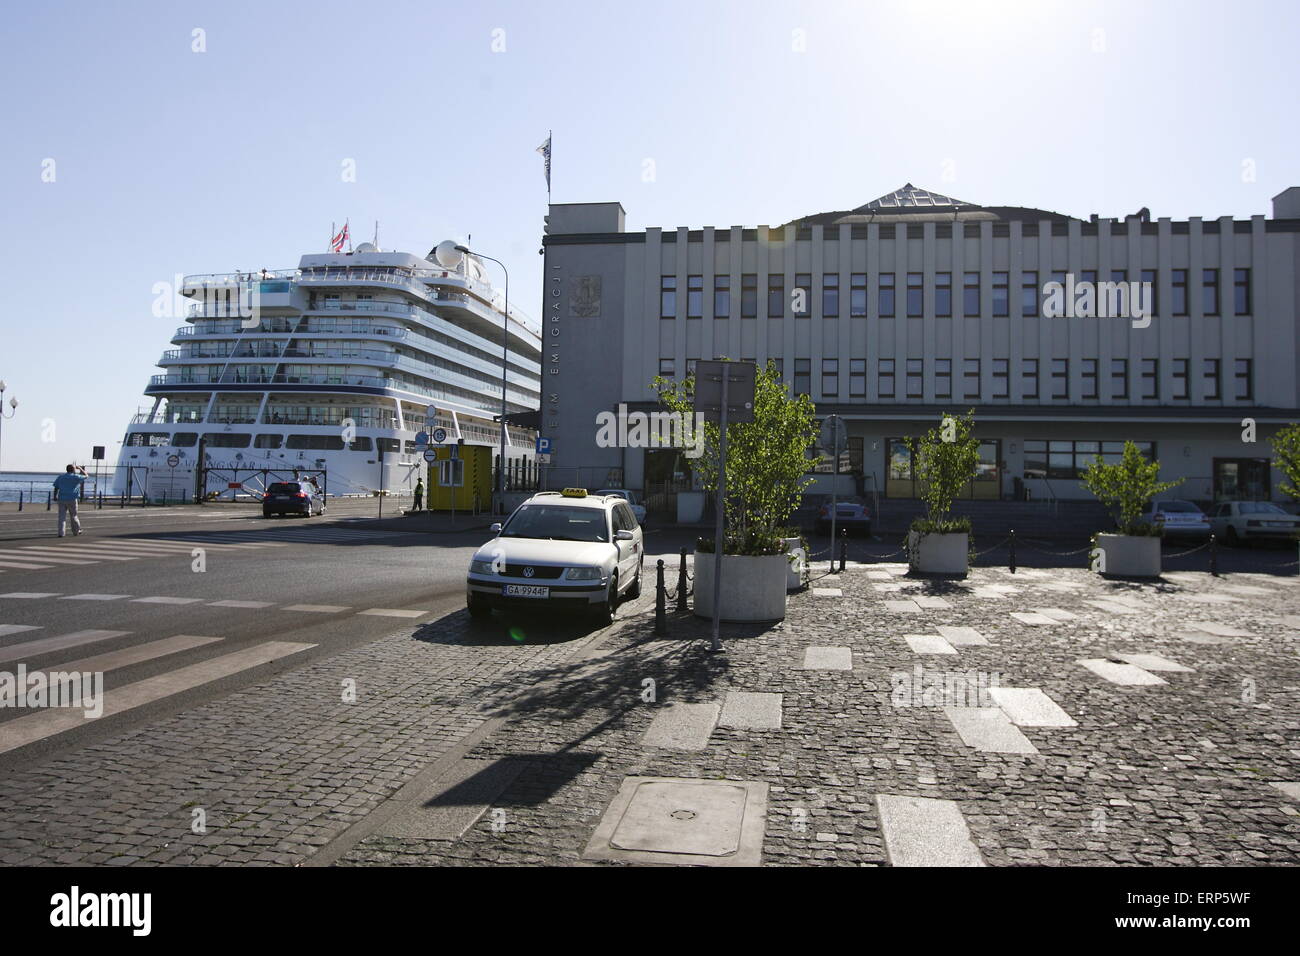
point(1127, 556)
point(753, 588)
point(938, 553)
point(796, 564)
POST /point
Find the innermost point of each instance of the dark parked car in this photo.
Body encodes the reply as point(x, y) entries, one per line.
point(850, 513)
point(292, 498)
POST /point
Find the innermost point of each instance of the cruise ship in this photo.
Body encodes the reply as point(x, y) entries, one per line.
point(331, 370)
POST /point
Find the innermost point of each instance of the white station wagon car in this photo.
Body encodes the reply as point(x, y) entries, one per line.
point(1236, 522)
point(560, 549)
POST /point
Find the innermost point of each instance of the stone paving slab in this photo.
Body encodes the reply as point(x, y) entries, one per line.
point(682, 726)
point(928, 644)
point(1121, 673)
point(1030, 617)
point(1154, 662)
point(989, 730)
point(752, 711)
point(921, 831)
point(1030, 707)
point(828, 592)
point(828, 659)
point(902, 607)
point(1290, 788)
point(960, 635)
point(458, 801)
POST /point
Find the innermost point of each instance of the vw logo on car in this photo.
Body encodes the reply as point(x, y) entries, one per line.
point(529, 572)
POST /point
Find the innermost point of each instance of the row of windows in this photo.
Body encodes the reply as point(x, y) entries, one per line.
point(238, 440)
point(1069, 459)
point(801, 297)
point(914, 378)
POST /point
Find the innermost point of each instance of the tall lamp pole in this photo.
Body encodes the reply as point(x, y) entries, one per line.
point(13, 409)
point(505, 358)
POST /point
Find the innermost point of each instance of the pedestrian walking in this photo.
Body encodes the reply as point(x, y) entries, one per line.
point(419, 494)
point(67, 489)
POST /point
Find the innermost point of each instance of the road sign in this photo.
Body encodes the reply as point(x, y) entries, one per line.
point(430, 454)
point(97, 452)
point(739, 390)
point(422, 438)
point(439, 436)
point(173, 460)
point(543, 459)
point(834, 434)
point(430, 416)
point(543, 446)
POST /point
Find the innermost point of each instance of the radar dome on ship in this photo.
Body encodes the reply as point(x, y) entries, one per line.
point(367, 247)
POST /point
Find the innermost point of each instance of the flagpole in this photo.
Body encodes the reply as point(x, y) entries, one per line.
point(330, 244)
point(550, 149)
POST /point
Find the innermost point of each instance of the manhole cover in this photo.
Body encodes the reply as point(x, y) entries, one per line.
point(683, 814)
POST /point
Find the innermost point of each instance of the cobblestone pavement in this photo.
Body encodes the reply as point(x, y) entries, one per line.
point(277, 770)
point(1178, 772)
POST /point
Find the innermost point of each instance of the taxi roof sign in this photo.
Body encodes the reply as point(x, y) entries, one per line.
point(574, 492)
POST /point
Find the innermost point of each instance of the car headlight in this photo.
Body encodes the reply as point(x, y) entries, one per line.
point(583, 574)
point(481, 567)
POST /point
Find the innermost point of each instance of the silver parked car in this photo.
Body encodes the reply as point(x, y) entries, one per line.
point(1179, 518)
point(1238, 522)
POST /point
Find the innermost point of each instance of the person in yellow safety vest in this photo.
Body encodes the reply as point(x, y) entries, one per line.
point(419, 494)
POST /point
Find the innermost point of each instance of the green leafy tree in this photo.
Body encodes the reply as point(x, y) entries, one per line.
point(766, 458)
point(1127, 487)
point(944, 461)
point(1286, 458)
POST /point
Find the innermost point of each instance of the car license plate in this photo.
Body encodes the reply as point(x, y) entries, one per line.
point(1278, 524)
point(525, 590)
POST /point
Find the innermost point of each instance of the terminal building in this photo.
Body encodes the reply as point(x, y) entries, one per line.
point(1066, 336)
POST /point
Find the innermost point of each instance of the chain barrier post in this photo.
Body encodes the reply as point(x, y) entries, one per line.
point(48, 497)
point(1214, 556)
point(661, 602)
point(1013, 550)
point(844, 547)
point(681, 581)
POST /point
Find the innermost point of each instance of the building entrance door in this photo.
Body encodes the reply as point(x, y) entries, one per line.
point(1241, 478)
point(900, 480)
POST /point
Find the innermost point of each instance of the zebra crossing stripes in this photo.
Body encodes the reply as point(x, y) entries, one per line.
point(45, 645)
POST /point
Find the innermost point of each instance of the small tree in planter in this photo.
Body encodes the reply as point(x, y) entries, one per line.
point(1286, 458)
point(944, 462)
point(1126, 488)
point(766, 467)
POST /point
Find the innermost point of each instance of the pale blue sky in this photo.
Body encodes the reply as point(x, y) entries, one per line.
point(170, 161)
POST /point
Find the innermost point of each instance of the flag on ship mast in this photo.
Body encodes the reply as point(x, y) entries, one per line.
point(337, 240)
point(545, 150)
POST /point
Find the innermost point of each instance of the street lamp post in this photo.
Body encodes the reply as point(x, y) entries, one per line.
point(505, 358)
point(13, 410)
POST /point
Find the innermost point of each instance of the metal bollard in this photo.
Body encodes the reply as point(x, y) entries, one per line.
point(1013, 550)
point(681, 582)
point(844, 547)
point(661, 601)
point(20, 501)
point(49, 496)
point(1214, 556)
point(99, 506)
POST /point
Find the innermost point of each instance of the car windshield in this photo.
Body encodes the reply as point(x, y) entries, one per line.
point(557, 523)
point(625, 495)
point(1259, 508)
point(284, 487)
point(1177, 506)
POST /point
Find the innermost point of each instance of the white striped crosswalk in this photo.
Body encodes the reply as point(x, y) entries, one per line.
point(83, 551)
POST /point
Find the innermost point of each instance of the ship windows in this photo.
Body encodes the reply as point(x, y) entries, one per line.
point(388, 444)
point(185, 439)
point(148, 439)
point(227, 440)
point(268, 441)
point(316, 442)
point(361, 444)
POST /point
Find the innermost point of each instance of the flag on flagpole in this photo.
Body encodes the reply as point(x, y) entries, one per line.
point(336, 242)
point(545, 150)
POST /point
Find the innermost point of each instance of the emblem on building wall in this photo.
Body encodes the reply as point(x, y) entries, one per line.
point(584, 297)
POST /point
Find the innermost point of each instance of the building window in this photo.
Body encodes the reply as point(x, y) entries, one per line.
point(775, 297)
point(721, 297)
point(1210, 372)
point(831, 295)
point(857, 378)
point(802, 376)
point(885, 378)
point(886, 295)
point(1029, 378)
point(1119, 275)
point(1060, 378)
point(858, 295)
point(668, 297)
point(667, 367)
point(1001, 295)
point(1241, 292)
point(1150, 378)
point(1029, 294)
point(749, 296)
point(1089, 276)
point(694, 297)
point(1210, 291)
point(1069, 459)
point(1245, 380)
point(915, 295)
point(970, 294)
point(943, 295)
point(1180, 291)
point(830, 377)
point(1119, 378)
point(971, 378)
point(801, 296)
point(1089, 376)
point(1180, 378)
point(1001, 378)
point(915, 381)
point(943, 378)
point(1150, 283)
